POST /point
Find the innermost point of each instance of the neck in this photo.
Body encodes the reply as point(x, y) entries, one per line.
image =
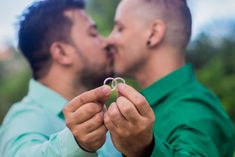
point(159, 64)
point(62, 84)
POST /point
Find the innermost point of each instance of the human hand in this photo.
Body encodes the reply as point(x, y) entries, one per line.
point(130, 121)
point(84, 116)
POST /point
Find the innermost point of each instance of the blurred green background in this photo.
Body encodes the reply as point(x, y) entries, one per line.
point(212, 55)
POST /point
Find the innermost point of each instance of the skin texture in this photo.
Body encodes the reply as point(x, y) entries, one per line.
point(85, 118)
point(144, 44)
point(73, 69)
point(147, 49)
point(130, 121)
point(75, 63)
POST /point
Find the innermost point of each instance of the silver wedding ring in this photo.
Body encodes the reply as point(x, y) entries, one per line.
point(114, 82)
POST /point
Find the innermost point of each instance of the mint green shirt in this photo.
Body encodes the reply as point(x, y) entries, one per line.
point(35, 127)
point(190, 120)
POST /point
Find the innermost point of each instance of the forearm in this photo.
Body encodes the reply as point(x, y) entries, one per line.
point(61, 144)
point(197, 148)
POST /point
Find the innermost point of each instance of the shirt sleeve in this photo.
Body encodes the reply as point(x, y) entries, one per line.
point(187, 141)
point(194, 128)
point(31, 133)
point(61, 144)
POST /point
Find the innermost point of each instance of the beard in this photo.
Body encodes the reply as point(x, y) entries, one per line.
point(92, 77)
point(131, 70)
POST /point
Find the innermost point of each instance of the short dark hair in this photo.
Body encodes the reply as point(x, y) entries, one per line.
point(40, 25)
point(183, 18)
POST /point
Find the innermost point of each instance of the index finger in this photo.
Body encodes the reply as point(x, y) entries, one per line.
point(99, 94)
point(136, 98)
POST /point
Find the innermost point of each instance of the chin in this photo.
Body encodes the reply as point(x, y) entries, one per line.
point(125, 71)
point(119, 71)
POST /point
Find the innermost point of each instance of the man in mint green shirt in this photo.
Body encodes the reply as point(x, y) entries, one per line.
point(35, 127)
point(67, 57)
point(151, 37)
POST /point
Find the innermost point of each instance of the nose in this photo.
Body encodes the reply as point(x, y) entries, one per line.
point(112, 42)
point(111, 39)
point(103, 42)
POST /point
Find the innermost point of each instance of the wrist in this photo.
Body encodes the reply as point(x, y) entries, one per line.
point(147, 151)
point(83, 148)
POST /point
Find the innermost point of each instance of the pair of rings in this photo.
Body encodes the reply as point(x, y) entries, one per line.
point(114, 82)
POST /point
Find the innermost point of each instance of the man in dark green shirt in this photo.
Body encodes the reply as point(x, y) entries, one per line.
point(150, 37)
point(190, 119)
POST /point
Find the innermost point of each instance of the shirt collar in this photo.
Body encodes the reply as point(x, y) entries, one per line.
point(46, 97)
point(168, 84)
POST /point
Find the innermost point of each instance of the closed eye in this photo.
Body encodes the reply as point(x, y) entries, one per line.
point(93, 31)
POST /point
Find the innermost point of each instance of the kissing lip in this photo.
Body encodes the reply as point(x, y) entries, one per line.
point(111, 50)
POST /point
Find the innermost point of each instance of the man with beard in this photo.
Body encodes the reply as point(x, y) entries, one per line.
point(67, 57)
point(151, 37)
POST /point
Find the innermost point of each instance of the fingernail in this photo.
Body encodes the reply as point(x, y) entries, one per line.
point(121, 86)
point(106, 90)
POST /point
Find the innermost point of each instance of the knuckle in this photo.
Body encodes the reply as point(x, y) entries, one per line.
point(75, 132)
point(141, 129)
point(113, 113)
point(66, 110)
point(68, 123)
point(124, 134)
point(83, 140)
point(153, 119)
point(126, 109)
point(82, 99)
point(139, 100)
point(93, 124)
point(120, 99)
point(86, 140)
point(90, 126)
point(120, 132)
point(90, 110)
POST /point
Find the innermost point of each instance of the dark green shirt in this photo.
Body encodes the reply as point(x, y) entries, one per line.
point(190, 120)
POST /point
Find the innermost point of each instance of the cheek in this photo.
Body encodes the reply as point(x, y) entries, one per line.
point(133, 46)
point(93, 47)
point(132, 40)
point(134, 52)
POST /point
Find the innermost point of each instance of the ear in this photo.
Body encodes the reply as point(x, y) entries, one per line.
point(60, 53)
point(157, 33)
